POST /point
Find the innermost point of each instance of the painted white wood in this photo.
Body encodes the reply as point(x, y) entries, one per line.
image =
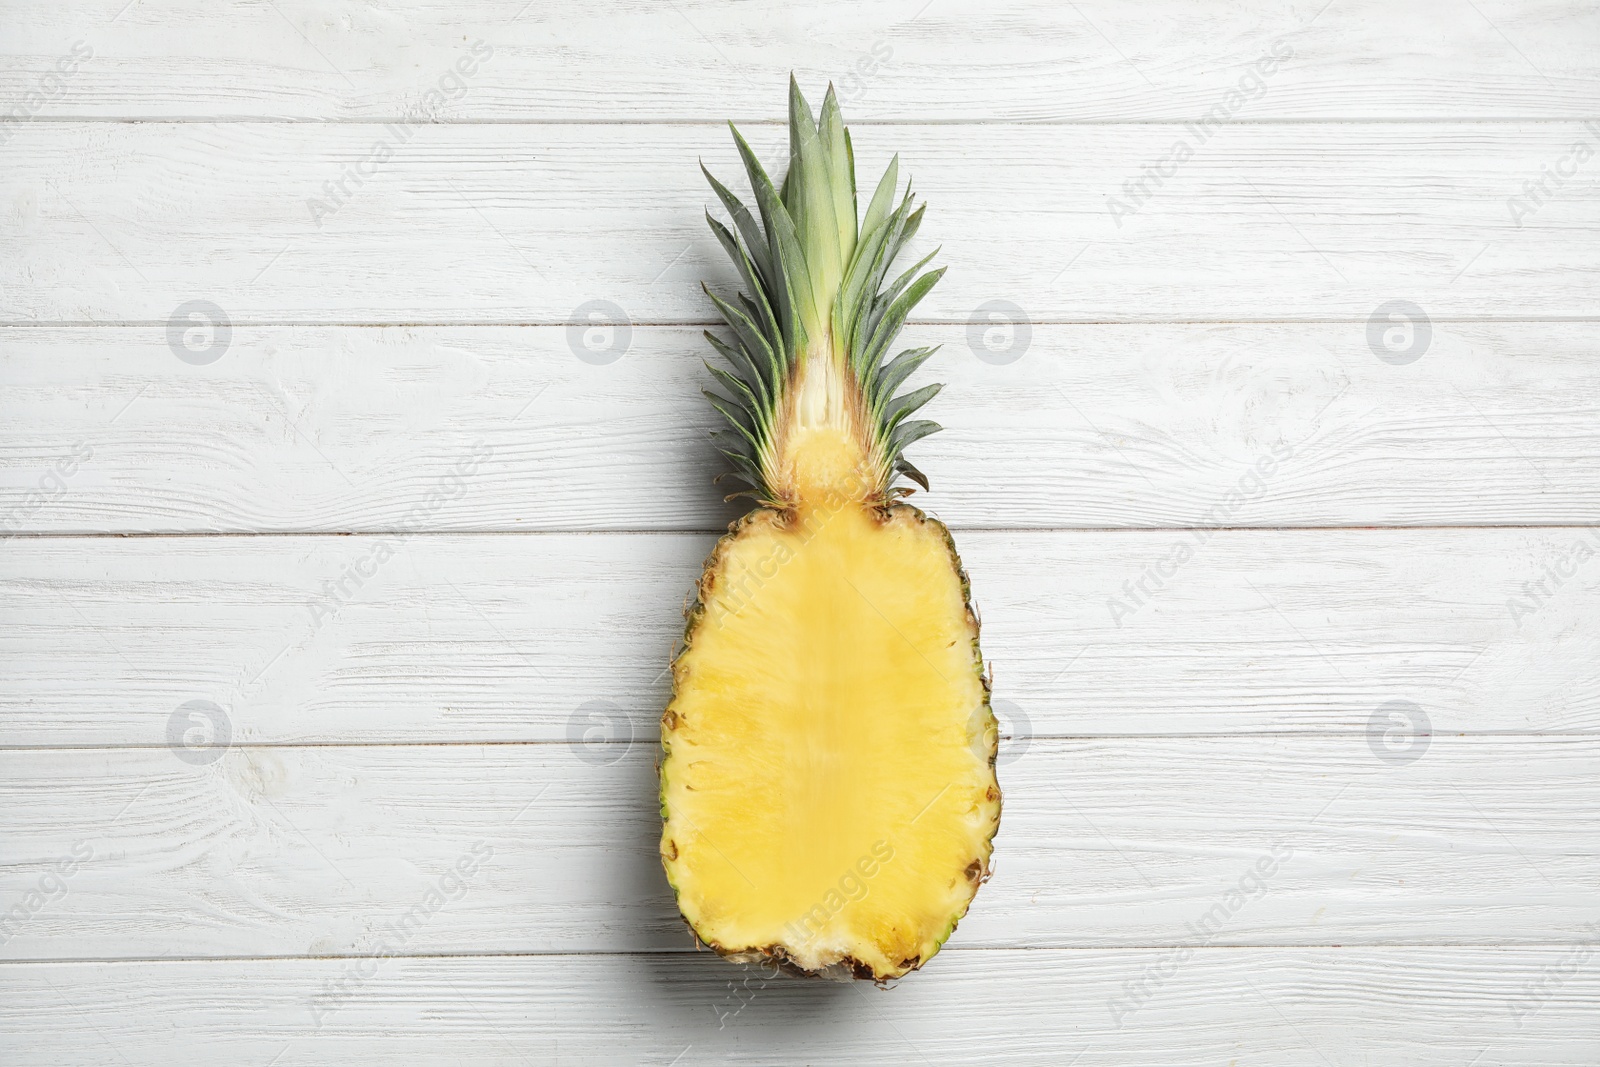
point(907, 61)
point(354, 428)
point(1256, 840)
point(512, 223)
point(507, 638)
point(1423, 1006)
point(1270, 689)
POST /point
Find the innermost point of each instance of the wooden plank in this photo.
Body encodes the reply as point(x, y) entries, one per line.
point(346, 428)
point(505, 223)
point(508, 638)
point(290, 851)
point(706, 60)
point(1428, 1007)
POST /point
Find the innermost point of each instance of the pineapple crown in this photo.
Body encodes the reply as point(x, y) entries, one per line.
point(810, 333)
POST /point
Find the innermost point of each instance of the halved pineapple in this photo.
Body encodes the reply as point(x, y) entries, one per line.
point(827, 780)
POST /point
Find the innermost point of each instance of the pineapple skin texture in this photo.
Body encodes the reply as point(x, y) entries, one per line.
point(833, 818)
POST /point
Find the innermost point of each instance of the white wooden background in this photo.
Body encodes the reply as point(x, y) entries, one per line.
point(421, 564)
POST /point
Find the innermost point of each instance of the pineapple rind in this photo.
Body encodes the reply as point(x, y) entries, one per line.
point(776, 954)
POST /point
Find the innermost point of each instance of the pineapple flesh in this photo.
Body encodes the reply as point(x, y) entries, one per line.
point(828, 791)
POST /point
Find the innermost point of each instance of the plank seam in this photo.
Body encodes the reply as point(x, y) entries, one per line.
point(555, 531)
point(781, 124)
point(1300, 735)
point(702, 324)
point(690, 951)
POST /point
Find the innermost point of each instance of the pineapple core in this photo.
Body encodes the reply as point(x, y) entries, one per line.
point(827, 785)
point(822, 461)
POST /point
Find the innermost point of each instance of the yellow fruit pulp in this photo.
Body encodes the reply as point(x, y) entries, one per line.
point(828, 786)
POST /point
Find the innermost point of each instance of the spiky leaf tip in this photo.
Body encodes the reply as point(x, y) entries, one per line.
point(807, 383)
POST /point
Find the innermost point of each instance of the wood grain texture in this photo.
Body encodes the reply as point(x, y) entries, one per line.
point(509, 638)
point(103, 429)
point(528, 224)
point(1428, 1007)
point(909, 61)
point(471, 681)
point(553, 848)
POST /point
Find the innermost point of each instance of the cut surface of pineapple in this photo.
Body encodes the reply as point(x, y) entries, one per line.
point(828, 784)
